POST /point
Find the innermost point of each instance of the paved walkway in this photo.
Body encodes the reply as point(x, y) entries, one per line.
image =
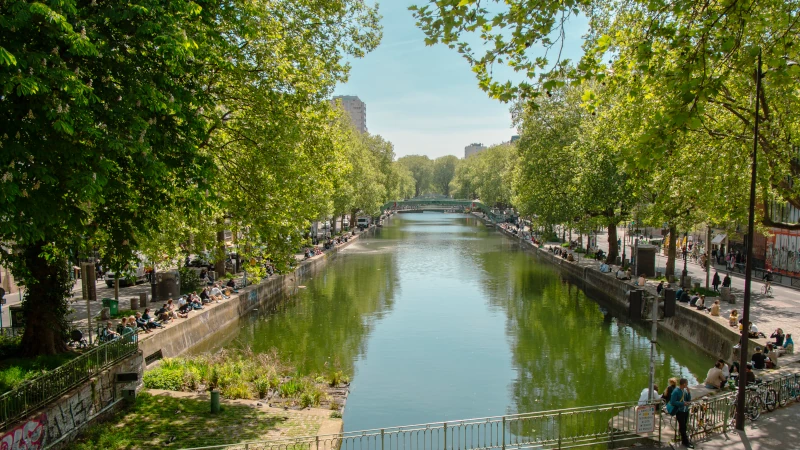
point(767, 313)
point(778, 430)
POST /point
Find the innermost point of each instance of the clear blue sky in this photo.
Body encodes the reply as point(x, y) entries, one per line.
point(425, 100)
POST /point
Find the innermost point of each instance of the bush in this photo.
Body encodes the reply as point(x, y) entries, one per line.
point(290, 389)
point(167, 379)
point(190, 280)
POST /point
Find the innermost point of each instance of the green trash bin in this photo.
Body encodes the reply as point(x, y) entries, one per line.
point(112, 305)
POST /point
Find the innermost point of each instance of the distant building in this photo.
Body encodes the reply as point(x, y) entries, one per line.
point(473, 149)
point(514, 138)
point(355, 108)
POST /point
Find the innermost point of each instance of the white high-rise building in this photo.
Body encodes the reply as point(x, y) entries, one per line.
point(473, 149)
point(355, 108)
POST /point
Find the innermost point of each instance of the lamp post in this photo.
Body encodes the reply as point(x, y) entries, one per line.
point(748, 273)
point(685, 251)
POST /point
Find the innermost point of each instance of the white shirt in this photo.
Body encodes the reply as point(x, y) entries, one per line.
point(726, 371)
point(644, 394)
point(215, 291)
point(753, 328)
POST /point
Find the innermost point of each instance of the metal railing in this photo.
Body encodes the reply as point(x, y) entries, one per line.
point(41, 390)
point(565, 428)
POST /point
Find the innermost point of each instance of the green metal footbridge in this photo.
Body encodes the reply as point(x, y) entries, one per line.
point(439, 205)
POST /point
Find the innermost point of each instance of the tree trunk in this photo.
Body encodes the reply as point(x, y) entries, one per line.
point(613, 247)
point(45, 308)
point(671, 251)
point(219, 263)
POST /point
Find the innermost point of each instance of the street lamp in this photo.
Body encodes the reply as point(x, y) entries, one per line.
point(685, 252)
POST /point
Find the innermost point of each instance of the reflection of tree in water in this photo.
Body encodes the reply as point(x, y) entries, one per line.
point(325, 326)
point(566, 351)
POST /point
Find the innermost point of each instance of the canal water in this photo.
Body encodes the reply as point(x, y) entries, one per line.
point(437, 317)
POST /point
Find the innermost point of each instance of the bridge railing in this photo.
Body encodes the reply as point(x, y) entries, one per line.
point(565, 428)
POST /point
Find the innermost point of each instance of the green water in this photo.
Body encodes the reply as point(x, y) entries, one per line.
point(437, 318)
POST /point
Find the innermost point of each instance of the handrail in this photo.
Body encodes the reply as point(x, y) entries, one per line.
point(37, 392)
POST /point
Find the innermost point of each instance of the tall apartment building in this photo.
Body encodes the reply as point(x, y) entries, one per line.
point(473, 149)
point(355, 108)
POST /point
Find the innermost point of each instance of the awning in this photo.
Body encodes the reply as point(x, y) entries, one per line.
point(718, 239)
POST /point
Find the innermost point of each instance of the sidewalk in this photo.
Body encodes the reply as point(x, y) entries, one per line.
point(778, 430)
point(767, 313)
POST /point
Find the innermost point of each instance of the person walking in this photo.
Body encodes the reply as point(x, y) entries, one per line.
point(726, 282)
point(716, 281)
point(679, 406)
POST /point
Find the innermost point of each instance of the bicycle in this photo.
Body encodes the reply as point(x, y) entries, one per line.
point(752, 406)
point(768, 397)
point(767, 290)
point(701, 418)
point(789, 389)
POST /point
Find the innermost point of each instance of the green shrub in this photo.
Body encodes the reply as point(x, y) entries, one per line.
point(336, 415)
point(167, 379)
point(336, 378)
point(190, 280)
point(236, 389)
point(261, 384)
point(290, 388)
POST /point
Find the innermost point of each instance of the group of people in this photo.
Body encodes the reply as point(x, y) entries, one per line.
point(168, 311)
point(338, 240)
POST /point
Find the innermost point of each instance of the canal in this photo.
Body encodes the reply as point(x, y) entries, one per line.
point(437, 317)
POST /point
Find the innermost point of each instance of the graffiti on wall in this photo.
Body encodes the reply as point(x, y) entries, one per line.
point(30, 435)
point(782, 249)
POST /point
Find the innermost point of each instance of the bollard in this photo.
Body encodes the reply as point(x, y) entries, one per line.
point(134, 302)
point(143, 299)
point(105, 313)
point(214, 401)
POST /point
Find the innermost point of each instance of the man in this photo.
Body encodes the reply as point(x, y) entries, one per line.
point(715, 378)
point(679, 402)
point(646, 397)
point(751, 377)
point(204, 297)
point(659, 288)
point(726, 282)
point(107, 334)
point(759, 360)
point(767, 278)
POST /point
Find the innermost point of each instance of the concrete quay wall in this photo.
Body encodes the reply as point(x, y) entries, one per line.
point(694, 327)
point(184, 334)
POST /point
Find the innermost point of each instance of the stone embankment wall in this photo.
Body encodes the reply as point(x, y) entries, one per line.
point(74, 409)
point(695, 327)
point(183, 335)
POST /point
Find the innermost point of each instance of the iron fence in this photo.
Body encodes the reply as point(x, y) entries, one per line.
point(566, 428)
point(41, 390)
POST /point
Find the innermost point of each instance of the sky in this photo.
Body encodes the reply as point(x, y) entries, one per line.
point(426, 100)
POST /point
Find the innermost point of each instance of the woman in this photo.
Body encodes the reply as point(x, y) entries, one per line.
point(673, 383)
point(788, 344)
point(715, 308)
point(733, 320)
point(141, 323)
point(121, 326)
point(779, 337)
point(149, 319)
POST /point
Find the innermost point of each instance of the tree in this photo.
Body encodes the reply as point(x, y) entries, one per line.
point(444, 169)
point(422, 168)
point(109, 124)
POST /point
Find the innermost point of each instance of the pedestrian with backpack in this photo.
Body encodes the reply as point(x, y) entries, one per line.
point(678, 406)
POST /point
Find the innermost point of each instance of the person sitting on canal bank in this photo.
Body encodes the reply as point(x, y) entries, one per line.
point(604, 268)
point(754, 333)
point(130, 326)
point(163, 314)
point(715, 378)
point(107, 334)
point(778, 336)
point(570, 257)
point(622, 275)
point(700, 303)
point(685, 297)
point(642, 281)
point(204, 296)
point(733, 319)
point(679, 406)
point(750, 375)
point(788, 344)
point(651, 393)
point(716, 281)
point(150, 322)
point(715, 308)
point(121, 325)
point(759, 359)
point(672, 385)
point(726, 371)
point(141, 323)
point(772, 356)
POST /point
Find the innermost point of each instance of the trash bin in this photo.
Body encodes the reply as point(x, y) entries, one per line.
point(112, 305)
point(17, 316)
point(635, 304)
point(669, 302)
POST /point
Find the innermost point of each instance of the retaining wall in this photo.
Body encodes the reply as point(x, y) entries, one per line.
point(695, 327)
point(74, 409)
point(184, 334)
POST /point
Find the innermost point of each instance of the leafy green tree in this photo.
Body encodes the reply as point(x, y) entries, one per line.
point(444, 169)
point(422, 168)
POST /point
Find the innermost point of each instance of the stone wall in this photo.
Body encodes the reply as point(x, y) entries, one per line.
point(696, 328)
point(183, 335)
point(71, 411)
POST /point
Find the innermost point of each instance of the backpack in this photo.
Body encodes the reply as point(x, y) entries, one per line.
point(672, 410)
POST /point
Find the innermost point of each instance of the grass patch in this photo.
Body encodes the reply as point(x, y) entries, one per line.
point(706, 292)
point(119, 315)
point(16, 370)
point(158, 421)
point(245, 375)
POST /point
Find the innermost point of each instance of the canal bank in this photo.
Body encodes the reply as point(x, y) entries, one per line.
point(694, 327)
point(183, 335)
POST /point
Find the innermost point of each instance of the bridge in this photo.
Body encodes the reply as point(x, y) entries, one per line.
point(438, 205)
